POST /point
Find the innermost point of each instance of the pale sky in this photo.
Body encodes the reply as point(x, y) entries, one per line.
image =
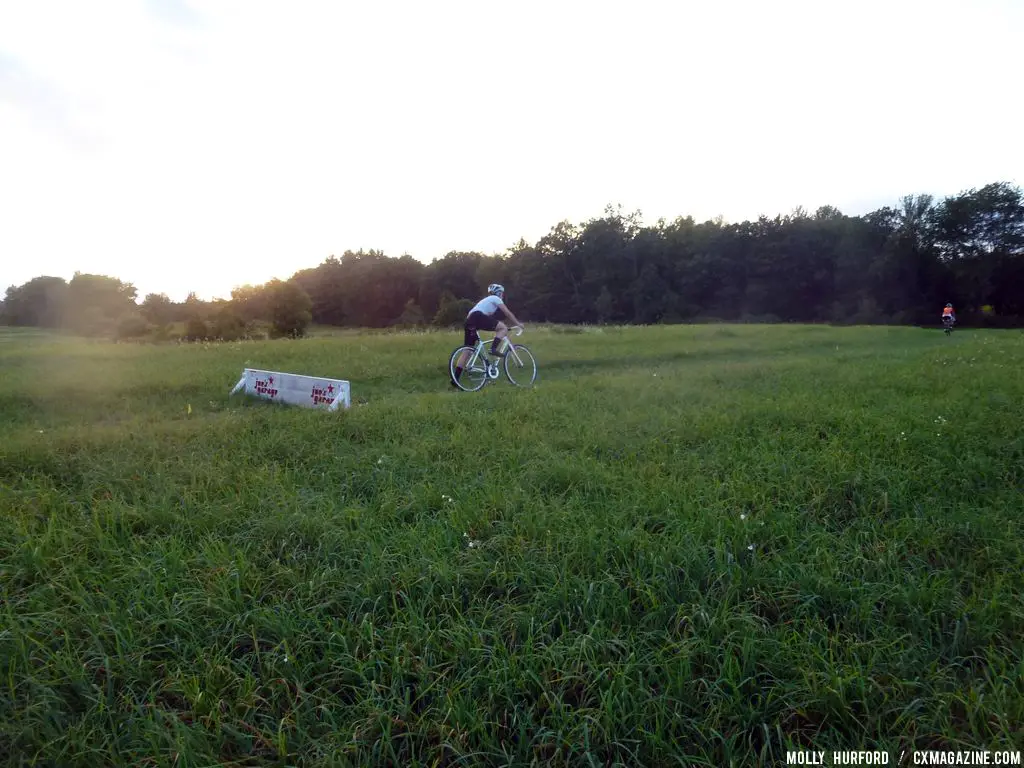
point(202, 144)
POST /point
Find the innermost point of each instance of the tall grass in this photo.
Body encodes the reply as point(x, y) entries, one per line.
point(686, 545)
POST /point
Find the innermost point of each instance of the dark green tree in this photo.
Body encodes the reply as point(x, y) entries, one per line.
point(40, 303)
point(289, 308)
point(979, 235)
point(95, 303)
point(158, 309)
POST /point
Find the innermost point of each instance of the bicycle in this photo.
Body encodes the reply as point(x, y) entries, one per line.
point(947, 322)
point(481, 367)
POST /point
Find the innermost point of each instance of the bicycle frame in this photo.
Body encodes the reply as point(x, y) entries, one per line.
point(480, 349)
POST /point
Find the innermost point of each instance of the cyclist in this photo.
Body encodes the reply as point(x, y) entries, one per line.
point(484, 316)
point(948, 312)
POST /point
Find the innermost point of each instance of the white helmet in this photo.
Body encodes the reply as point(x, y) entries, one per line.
point(496, 289)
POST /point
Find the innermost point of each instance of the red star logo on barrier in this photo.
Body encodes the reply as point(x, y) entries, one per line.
point(330, 389)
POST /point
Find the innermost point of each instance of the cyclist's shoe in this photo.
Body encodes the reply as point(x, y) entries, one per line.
point(455, 384)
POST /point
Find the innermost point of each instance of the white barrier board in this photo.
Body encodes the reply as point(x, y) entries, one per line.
point(290, 388)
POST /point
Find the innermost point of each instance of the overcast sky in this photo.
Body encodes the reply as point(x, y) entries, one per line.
point(204, 144)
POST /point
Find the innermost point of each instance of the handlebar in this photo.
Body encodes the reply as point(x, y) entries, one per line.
point(518, 329)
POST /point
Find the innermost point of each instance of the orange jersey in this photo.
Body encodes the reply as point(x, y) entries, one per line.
point(947, 311)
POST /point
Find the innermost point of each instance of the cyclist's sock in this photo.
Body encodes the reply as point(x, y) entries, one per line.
point(458, 372)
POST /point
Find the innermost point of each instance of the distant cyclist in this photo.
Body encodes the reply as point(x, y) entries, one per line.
point(484, 317)
point(948, 312)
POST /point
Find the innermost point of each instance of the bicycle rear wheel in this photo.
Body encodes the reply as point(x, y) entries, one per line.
point(474, 376)
point(520, 366)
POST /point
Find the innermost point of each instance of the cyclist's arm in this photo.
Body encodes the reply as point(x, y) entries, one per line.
point(509, 315)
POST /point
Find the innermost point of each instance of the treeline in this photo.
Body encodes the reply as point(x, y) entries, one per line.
point(97, 305)
point(895, 265)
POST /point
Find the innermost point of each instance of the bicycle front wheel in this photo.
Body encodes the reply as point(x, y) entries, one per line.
point(520, 366)
point(473, 376)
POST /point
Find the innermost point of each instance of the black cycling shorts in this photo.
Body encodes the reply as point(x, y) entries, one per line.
point(478, 321)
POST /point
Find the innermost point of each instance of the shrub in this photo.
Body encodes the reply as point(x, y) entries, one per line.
point(132, 327)
point(868, 313)
point(196, 330)
point(452, 313)
point(93, 322)
point(290, 309)
point(227, 325)
point(751, 319)
point(411, 316)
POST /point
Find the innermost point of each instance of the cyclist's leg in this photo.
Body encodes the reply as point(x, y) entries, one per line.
point(470, 338)
point(500, 331)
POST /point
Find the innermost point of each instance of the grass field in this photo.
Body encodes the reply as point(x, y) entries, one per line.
point(685, 545)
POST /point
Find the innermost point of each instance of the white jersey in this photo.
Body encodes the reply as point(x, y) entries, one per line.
point(488, 305)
